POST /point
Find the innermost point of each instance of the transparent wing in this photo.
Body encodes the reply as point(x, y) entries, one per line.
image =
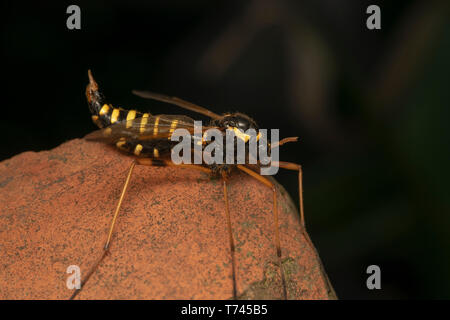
point(176, 101)
point(153, 127)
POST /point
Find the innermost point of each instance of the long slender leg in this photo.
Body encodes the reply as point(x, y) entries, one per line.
point(141, 161)
point(146, 161)
point(105, 248)
point(130, 171)
point(83, 282)
point(295, 167)
point(230, 234)
point(269, 183)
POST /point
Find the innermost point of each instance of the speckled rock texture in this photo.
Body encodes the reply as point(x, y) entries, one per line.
point(170, 240)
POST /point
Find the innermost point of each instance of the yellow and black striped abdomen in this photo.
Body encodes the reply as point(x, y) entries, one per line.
point(108, 115)
point(134, 132)
point(156, 149)
point(105, 114)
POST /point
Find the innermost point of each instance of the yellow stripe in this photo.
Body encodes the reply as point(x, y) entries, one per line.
point(96, 121)
point(130, 116)
point(155, 127)
point(241, 135)
point(138, 149)
point(115, 115)
point(107, 131)
point(155, 153)
point(144, 122)
point(173, 125)
point(121, 142)
point(104, 110)
point(203, 140)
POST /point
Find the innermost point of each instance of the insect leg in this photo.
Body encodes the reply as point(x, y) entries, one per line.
point(230, 234)
point(105, 248)
point(141, 161)
point(83, 282)
point(127, 181)
point(295, 167)
point(146, 161)
point(270, 184)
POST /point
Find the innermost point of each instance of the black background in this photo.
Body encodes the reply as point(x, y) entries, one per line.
point(370, 107)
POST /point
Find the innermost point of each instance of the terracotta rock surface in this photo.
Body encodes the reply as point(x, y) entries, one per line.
point(170, 240)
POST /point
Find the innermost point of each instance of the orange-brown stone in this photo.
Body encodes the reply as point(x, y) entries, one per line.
point(170, 240)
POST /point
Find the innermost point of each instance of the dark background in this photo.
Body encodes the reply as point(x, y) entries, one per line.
point(371, 107)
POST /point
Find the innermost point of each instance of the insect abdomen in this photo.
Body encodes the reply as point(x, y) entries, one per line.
point(155, 149)
point(104, 114)
point(107, 115)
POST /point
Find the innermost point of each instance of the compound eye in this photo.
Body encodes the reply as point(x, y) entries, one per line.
point(243, 125)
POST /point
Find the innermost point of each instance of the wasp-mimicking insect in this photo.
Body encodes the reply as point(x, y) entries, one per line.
point(147, 138)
